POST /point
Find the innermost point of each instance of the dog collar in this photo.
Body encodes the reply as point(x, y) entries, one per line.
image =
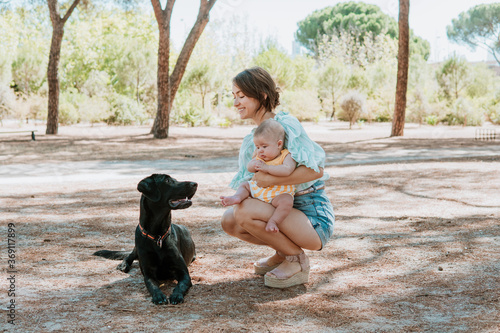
point(158, 240)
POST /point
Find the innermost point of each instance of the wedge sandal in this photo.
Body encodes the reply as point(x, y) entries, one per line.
point(278, 279)
point(261, 267)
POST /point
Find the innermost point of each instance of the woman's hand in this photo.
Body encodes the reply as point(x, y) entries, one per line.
point(300, 175)
point(264, 179)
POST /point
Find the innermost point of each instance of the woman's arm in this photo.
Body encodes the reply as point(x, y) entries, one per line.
point(300, 175)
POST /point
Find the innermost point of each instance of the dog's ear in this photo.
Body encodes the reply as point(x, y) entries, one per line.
point(148, 187)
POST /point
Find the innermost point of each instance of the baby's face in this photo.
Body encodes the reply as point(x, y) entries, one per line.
point(267, 148)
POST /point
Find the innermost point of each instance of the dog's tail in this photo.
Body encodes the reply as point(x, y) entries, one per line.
point(113, 255)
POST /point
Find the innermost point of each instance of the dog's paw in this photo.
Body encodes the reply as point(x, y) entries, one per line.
point(176, 298)
point(159, 299)
point(124, 267)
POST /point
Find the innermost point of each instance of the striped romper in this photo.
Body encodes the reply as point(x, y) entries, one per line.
point(267, 194)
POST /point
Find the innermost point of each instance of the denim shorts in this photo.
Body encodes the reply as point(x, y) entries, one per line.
point(319, 210)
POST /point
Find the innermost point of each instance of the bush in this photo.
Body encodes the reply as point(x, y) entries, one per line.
point(68, 107)
point(7, 99)
point(303, 104)
point(187, 110)
point(352, 105)
point(191, 116)
point(431, 120)
point(465, 113)
point(94, 110)
point(125, 111)
point(493, 113)
point(418, 109)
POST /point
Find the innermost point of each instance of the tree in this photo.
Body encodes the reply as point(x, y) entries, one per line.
point(332, 80)
point(479, 26)
point(453, 77)
point(348, 48)
point(356, 18)
point(398, 121)
point(344, 16)
point(53, 67)
point(277, 63)
point(168, 84)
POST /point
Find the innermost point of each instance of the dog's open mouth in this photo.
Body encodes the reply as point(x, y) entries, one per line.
point(180, 203)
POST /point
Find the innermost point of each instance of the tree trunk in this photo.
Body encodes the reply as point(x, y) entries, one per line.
point(398, 121)
point(53, 67)
point(53, 80)
point(161, 124)
point(333, 105)
point(169, 84)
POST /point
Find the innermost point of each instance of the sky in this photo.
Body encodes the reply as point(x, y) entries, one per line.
point(278, 19)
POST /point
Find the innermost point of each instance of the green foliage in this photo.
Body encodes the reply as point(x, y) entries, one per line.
point(431, 120)
point(348, 47)
point(68, 107)
point(463, 112)
point(358, 80)
point(347, 16)
point(7, 99)
point(108, 73)
point(419, 46)
point(201, 79)
point(333, 79)
point(94, 109)
point(303, 104)
point(25, 33)
point(453, 77)
point(481, 82)
point(479, 26)
point(353, 20)
point(277, 62)
point(418, 108)
point(125, 111)
point(304, 72)
point(187, 110)
point(493, 113)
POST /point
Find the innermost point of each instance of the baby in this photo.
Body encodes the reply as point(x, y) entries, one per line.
point(269, 157)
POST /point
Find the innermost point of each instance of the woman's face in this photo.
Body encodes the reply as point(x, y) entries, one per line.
point(247, 106)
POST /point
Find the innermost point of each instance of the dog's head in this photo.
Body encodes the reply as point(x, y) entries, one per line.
point(165, 190)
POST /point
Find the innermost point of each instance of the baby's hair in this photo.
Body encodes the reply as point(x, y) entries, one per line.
point(270, 128)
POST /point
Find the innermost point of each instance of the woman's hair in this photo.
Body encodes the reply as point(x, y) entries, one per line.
point(270, 128)
point(255, 82)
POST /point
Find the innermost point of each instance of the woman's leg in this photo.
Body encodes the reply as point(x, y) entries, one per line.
point(296, 232)
point(231, 227)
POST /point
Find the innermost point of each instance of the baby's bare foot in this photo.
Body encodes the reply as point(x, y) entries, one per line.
point(229, 201)
point(272, 227)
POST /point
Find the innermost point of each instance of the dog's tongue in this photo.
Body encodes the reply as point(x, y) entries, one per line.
point(175, 203)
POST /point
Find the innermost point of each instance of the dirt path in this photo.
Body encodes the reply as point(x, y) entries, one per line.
point(415, 247)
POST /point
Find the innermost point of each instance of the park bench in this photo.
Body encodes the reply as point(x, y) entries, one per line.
point(23, 131)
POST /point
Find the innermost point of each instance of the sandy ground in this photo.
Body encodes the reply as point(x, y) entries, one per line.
point(415, 247)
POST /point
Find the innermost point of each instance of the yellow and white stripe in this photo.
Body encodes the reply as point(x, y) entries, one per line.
point(267, 194)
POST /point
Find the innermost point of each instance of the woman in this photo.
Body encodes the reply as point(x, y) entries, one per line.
point(310, 224)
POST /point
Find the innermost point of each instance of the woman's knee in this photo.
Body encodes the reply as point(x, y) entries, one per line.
point(242, 213)
point(228, 222)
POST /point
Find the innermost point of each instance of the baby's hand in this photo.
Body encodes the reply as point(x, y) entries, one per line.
point(260, 166)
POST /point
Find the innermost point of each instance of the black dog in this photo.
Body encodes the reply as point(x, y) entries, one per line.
point(164, 249)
